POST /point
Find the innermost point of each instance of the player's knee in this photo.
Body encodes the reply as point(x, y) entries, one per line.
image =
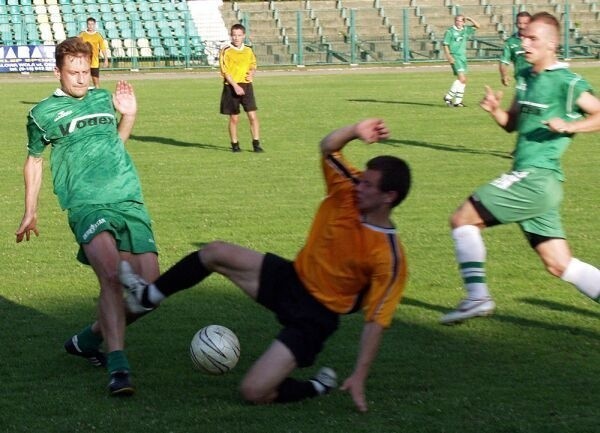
point(456, 219)
point(212, 252)
point(556, 268)
point(252, 393)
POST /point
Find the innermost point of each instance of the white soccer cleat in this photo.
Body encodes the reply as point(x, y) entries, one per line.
point(327, 378)
point(135, 289)
point(468, 309)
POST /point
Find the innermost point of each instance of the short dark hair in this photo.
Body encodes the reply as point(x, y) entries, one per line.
point(238, 27)
point(90, 19)
point(395, 175)
point(523, 14)
point(74, 47)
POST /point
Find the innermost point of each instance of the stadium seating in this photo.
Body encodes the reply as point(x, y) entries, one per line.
point(192, 32)
point(126, 24)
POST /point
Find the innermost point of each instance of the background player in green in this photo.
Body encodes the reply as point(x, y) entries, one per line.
point(548, 108)
point(455, 50)
point(513, 51)
point(97, 183)
point(238, 64)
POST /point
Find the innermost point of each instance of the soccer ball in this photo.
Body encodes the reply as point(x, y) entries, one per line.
point(215, 349)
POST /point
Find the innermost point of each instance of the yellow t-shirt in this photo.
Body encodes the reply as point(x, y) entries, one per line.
point(98, 43)
point(347, 264)
point(236, 62)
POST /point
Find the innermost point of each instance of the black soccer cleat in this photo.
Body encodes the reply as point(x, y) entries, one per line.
point(235, 147)
point(120, 384)
point(95, 356)
point(459, 105)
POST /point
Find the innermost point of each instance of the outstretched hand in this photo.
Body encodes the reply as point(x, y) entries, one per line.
point(356, 389)
point(28, 225)
point(491, 100)
point(124, 99)
point(372, 130)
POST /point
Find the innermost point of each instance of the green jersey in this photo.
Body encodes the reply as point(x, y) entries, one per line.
point(514, 52)
point(456, 39)
point(541, 97)
point(89, 162)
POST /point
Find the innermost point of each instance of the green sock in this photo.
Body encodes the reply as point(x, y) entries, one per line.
point(88, 339)
point(117, 361)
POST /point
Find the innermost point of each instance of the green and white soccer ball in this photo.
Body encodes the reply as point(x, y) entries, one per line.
point(215, 349)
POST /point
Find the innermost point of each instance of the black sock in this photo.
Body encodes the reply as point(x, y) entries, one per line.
point(186, 273)
point(292, 390)
point(255, 143)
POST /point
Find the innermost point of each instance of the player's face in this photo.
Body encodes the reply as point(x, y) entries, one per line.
point(368, 194)
point(91, 26)
point(522, 23)
point(539, 40)
point(237, 37)
point(459, 22)
point(74, 76)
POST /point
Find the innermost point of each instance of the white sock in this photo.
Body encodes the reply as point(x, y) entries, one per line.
point(154, 295)
point(453, 89)
point(460, 92)
point(470, 255)
point(583, 276)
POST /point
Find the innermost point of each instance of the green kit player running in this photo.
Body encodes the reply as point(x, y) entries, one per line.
point(97, 183)
point(513, 51)
point(455, 50)
point(548, 108)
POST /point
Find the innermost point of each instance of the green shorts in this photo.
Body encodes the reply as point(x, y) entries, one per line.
point(128, 222)
point(530, 198)
point(460, 65)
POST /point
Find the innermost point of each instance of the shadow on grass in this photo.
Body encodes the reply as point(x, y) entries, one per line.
point(523, 321)
point(173, 142)
point(379, 101)
point(445, 147)
point(556, 306)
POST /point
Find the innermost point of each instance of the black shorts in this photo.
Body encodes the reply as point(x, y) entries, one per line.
point(95, 72)
point(306, 322)
point(230, 102)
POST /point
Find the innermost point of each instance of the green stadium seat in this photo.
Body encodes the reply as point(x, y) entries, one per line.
point(159, 52)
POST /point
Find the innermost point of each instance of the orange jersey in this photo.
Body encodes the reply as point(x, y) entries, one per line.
point(236, 62)
point(98, 44)
point(347, 264)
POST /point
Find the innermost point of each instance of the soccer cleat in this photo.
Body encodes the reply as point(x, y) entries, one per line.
point(235, 147)
point(327, 378)
point(460, 104)
point(120, 384)
point(468, 309)
point(94, 356)
point(256, 146)
point(136, 290)
point(448, 102)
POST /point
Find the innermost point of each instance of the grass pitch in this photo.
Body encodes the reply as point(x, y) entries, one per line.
point(532, 367)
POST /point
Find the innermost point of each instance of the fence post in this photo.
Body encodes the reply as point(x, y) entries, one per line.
point(567, 31)
point(299, 37)
point(352, 37)
point(405, 36)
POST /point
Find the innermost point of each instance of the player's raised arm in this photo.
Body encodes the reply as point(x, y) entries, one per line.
point(368, 130)
point(125, 103)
